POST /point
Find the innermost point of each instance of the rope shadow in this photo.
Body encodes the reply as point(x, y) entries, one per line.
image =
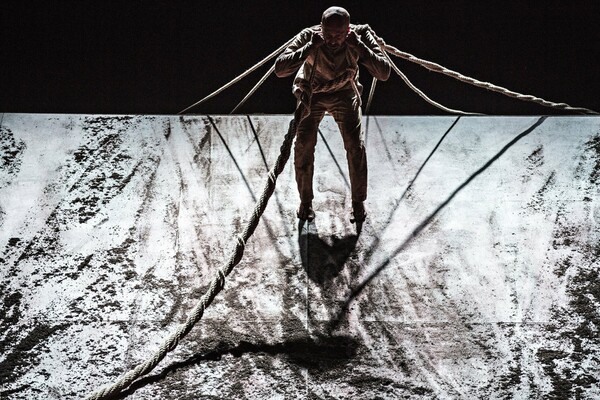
point(313, 353)
point(214, 125)
point(337, 164)
point(388, 222)
point(388, 153)
point(269, 229)
point(358, 289)
point(280, 206)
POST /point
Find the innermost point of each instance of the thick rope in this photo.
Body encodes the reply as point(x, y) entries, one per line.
point(330, 85)
point(371, 94)
point(427, 64)
point(485, 85)
point(420, 93)
point(254, 89)
point(336, 83)
point(243, 75)
point(218, 281)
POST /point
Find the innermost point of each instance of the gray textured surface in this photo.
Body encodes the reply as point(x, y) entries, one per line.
point(478, 280)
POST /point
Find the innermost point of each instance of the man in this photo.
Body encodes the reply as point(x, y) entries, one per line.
point(337, 47)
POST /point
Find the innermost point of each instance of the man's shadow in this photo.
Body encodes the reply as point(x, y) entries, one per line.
point(317, 354)
point(323, 258)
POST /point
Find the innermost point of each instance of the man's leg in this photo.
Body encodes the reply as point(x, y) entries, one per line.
point(304, 157)
point(346, 112)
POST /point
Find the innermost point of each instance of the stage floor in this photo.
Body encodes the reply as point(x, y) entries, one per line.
point(475, 275)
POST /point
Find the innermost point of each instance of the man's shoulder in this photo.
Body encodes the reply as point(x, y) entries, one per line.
point(311, 29)
point(306, 33)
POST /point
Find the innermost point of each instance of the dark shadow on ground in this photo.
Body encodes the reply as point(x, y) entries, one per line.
point(324, 258)
point(357, 290)
point(280, 207)
point(337, 164)
point(313, 353)
point(237, 166)
point(378, 236)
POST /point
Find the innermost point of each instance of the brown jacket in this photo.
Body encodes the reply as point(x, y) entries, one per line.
point(330, 66)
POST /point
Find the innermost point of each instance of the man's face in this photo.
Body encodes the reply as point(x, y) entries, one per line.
point(335, 33)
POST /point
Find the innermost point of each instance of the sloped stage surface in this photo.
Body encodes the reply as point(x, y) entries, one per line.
point(474, 276)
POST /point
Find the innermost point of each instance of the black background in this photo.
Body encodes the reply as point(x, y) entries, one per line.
point(158, 57)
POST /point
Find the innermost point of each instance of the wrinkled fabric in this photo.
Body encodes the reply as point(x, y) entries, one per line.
point(335, 90)
point(344, 107)
point(299, 57)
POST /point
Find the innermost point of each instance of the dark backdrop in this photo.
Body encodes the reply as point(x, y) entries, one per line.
point(139, 57)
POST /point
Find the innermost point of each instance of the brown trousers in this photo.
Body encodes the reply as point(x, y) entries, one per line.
point(344, 107)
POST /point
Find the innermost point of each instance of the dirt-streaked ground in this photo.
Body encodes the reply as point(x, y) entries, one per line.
point(474, 276)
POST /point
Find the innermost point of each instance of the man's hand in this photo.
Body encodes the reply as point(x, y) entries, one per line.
point(303, 97)
point(353, 40)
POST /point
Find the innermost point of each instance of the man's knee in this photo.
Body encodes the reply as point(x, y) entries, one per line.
point(350, 125)
point(353, 138)
point(305, 142)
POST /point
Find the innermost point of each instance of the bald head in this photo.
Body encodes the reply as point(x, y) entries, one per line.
point(335, 15)
point(335, 25)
